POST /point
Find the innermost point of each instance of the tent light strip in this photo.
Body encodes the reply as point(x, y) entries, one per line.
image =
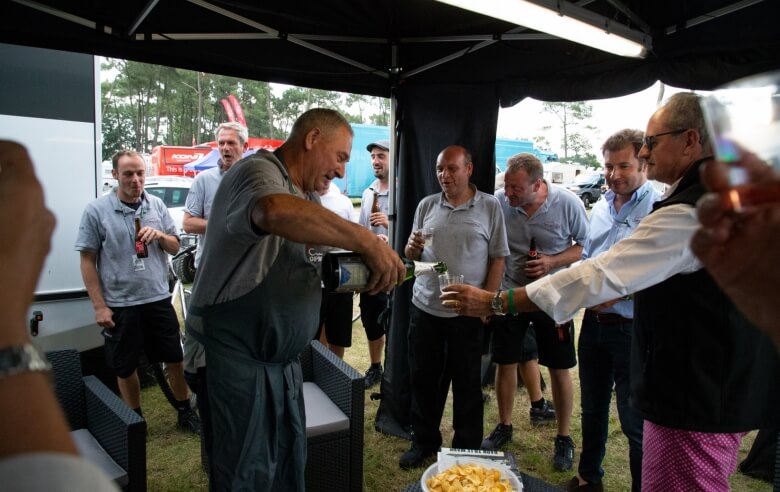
point(564, 20)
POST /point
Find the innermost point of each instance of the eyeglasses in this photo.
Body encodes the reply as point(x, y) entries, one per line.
point(652, 140)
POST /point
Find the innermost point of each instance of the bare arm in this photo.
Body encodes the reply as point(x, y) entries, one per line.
point(194, 225)
point(474, 301)
point(32, 420)
point(103, 315)
point(495, 273)
point(302, 221)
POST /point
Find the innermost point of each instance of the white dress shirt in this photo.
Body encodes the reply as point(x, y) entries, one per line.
point(658, 249)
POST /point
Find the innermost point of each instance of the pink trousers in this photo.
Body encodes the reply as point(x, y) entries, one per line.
point(675, 460)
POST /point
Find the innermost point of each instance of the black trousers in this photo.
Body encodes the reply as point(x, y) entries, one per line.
point(444, 351)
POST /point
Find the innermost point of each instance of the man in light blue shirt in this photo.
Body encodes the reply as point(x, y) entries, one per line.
point(604, 348)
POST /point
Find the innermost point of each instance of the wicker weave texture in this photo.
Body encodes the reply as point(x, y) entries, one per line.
point(89, 404)
point(335, 461)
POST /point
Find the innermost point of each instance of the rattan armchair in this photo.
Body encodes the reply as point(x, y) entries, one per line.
point(334, 459)
point(89, 404)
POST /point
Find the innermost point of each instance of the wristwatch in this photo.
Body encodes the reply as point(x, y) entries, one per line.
point(497, 305)
point(22, 358)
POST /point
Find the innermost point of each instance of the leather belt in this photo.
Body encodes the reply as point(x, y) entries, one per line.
point(608, 318)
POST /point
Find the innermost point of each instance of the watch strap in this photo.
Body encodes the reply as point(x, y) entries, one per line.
point(497, 304)
point(19, 359)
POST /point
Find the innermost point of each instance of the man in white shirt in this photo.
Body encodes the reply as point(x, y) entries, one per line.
point(701, 376)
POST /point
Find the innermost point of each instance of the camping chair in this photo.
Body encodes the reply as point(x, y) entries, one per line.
point(333, 395)
point(105, 430)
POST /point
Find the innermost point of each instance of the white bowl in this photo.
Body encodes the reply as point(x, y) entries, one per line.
point(506, 473)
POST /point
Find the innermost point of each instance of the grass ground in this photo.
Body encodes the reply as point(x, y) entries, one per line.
point(173, 457)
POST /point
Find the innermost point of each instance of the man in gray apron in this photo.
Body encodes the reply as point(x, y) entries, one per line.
point(256, 300)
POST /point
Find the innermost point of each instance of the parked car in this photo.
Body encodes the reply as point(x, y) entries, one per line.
point(173, 191)
point(587, 186)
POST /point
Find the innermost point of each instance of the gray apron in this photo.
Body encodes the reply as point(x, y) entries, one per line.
point(255, 380)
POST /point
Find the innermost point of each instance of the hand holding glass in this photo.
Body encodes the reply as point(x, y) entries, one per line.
point(427, 235)
point(447, 279)
point(745, 116)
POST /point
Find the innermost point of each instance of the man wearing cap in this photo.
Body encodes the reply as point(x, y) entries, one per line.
point(373, 216)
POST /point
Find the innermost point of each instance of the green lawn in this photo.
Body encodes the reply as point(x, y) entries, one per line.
point(173, 457)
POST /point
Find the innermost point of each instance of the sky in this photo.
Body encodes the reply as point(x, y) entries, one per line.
point(527, 119)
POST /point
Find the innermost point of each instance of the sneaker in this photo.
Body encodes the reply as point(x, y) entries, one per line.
point(415, 457)
point(373, 376)
point(544, 415)
point(573, 485)
point(564, 453)
point(497, 439)
point(188, 420)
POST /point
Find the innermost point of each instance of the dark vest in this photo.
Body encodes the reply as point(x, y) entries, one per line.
point(696, 363)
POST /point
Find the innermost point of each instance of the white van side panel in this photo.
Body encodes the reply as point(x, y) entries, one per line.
point(50, 105)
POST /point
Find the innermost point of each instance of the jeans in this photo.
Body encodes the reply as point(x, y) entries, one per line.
point(604, 356)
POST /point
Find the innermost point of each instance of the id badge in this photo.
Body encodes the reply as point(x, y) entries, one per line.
point(138, 264)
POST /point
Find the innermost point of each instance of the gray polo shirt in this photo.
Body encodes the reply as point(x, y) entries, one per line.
point(236, 254)
point(200, 199)
point(108, 228)
point(556, 225)
point(464, 237)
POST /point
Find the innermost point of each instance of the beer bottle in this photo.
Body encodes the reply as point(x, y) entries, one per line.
point(344, 271)
point(375, 204)
point(532, 254)
point(141, 250)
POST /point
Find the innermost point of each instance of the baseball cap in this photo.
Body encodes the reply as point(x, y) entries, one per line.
point(382, 144)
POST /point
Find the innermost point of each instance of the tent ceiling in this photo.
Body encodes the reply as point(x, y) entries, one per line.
point(369, 47)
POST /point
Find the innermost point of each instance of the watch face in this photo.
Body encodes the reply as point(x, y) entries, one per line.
point(496, 304)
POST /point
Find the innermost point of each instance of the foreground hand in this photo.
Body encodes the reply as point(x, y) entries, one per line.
point(468, 300)
point(27, 226)
point(740, 250)
point(387, 269)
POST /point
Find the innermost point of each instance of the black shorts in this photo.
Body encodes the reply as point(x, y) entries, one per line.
point(152, 328)
point(512, 342)
point(370, 309)
point(336, 315)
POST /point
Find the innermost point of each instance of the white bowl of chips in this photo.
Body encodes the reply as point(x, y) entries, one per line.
point(471, 474)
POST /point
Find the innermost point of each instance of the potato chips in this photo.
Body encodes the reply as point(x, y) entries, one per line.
point(468, 478)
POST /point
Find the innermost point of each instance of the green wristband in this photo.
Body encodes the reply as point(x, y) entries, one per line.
point(510, 302)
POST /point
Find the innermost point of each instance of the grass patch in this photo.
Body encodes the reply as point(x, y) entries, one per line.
point(173, 456)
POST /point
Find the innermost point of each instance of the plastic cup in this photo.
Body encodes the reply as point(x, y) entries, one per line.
point(427, 235)
point(447, 279)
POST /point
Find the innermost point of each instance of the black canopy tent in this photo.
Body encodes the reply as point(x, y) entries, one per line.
point(447, 71)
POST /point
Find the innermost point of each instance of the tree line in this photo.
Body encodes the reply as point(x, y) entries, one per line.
point(147, 105)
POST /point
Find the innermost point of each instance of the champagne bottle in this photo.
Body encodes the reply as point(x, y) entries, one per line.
point(141, 250)
point(345, 271)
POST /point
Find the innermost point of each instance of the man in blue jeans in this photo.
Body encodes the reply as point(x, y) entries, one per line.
point(605, 338)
